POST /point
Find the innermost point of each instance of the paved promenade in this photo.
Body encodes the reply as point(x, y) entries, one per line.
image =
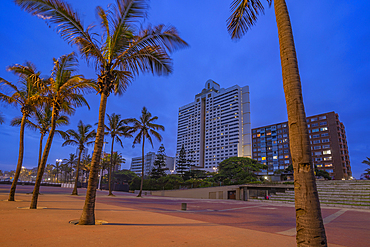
point(158, 221)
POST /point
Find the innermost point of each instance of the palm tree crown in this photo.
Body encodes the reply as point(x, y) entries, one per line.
point(146, 128)
point(83, 136)
point(123, 51)
point(244, 16)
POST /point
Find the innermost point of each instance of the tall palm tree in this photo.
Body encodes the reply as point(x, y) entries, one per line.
point(64, 91)
point(310, 227)
point(115, 160)
point(86, 164)
point(41, 122)
point(27, 97)
point(57, 167)
point(81, 138)
point(68, 165)
point(116, 128)
point(123, 53)
point(146, 129)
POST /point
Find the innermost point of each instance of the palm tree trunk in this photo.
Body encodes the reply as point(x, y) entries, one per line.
point(40, 150)
point(309, 223)
point(20, 159)
point(142, 169)
point(44, 159)
point(74, 192)
point(110, 170)
point(88, 214)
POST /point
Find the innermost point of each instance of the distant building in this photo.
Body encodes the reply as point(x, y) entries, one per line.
point(216, 126)
point(328, 144)
point(149, 159)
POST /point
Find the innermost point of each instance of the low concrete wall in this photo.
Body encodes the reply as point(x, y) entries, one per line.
point(221, 192)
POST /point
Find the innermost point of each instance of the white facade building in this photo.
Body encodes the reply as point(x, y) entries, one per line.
point(216, 126)
point(149, 159)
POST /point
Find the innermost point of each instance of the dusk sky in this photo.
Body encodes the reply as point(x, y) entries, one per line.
point(332, 41)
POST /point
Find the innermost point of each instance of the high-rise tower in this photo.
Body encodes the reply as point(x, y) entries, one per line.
point(216, 126)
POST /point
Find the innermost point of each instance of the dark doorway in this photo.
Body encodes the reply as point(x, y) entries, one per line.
point(231, 194)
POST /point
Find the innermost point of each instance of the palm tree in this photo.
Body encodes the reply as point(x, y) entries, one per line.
point(58, 167)
point(86, 164)
point(83, 136)
point(27, 97)
point(68, 165)
point(123, 53)
point(115, 160)
point(64, 91)
point(42, 122)
point(310, 227)
point(146, 128)
point(116, 128)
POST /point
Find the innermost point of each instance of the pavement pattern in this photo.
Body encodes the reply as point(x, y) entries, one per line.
point(159, 221)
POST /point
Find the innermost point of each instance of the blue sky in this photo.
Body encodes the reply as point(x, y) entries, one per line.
point(332, 41)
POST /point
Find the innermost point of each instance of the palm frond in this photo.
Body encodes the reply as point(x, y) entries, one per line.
point(67, 21)
point(244, 15)
point(70, 142)
point(17, 122)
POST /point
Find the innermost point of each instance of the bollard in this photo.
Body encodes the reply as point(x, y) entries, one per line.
point(183, 206)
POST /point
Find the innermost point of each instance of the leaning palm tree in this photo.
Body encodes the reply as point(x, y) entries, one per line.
point(27, 97)
point(41, 122)
point(123, 53)
point(81, 138)
point(64, 91)
point(310, 227)
point(146, 128)
point(116, 128)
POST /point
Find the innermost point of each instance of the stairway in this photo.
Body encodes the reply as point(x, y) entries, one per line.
point(335, 193)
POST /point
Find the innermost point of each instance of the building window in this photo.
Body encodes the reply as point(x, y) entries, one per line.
point(315, 130)
point(327, 151)
point(322, 117)
point(324, 129)
point(324, 140)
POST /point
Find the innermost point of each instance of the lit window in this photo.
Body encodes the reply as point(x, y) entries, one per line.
point(327, 152)
point(324, 129)
point(286, 156)
point(328, 165)
point(263, 158)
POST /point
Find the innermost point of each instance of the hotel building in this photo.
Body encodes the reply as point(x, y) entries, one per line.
point(149, 159)
point(216, 126)
point(328, 144)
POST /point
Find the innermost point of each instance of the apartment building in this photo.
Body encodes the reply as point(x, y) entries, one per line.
point(149, 159)
point(215, 126)
point(328, 144)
